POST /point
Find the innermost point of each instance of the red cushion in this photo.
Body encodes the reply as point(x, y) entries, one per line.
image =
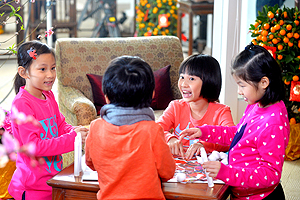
point(162, 97)
point(163, 93)
point(98, 96)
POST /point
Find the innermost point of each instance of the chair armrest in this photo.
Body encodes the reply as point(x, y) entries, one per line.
point(77, 105)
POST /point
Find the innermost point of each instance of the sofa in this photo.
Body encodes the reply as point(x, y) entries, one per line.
point(77, 57)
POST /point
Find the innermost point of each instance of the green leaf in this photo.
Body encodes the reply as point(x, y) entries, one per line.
point(262, 18)
point(265, 10)
point(20, 17)
point(289, 58)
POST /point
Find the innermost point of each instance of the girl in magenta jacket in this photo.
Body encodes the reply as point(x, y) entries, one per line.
point(53, 137)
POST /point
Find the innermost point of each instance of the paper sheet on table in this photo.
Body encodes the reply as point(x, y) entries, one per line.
point(193, 170)
point(88, 173)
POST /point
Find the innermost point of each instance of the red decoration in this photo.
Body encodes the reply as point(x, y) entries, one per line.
point(146, 16)
point(163, 20)
point(295, 91)
point(183, 37)
point(271, 50)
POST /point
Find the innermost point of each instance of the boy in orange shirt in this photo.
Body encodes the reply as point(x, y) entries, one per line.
point(125, 145)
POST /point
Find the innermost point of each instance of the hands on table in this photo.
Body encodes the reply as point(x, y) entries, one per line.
point(176, 147)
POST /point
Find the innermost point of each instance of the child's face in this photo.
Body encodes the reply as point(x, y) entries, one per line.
point(250, 92)
point(41, 75)
point(190, 87)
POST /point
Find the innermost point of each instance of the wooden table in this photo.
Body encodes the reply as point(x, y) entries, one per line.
point(66, 186)
point(192, 8)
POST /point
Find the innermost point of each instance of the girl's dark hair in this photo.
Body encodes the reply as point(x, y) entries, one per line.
point(254, 63)
point(208, 70)
point(25, 60)
point(129, 82)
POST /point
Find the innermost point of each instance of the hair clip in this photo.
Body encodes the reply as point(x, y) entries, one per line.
point(32, 53)
point(249, 46)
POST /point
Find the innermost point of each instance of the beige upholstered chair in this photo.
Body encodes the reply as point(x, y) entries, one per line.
point(76, 57)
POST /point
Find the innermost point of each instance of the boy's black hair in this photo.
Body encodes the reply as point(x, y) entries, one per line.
point(25, 60)
point(208, 70)
point(254, 63)
point(129, 82)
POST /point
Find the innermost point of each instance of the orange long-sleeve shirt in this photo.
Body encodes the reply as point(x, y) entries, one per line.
point(178, 116)
point(130, 160)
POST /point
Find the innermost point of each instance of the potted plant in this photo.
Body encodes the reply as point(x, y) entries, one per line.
point(278, 30)
point(156, 17)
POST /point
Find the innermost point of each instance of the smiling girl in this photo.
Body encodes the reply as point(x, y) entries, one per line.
point(200, 85)
point(33, 84)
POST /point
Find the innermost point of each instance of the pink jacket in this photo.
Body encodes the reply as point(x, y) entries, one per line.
point(52, 138)
point(255, 162)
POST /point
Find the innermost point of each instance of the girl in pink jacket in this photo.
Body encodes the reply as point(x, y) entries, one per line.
point(258, 142)
point(53, 137)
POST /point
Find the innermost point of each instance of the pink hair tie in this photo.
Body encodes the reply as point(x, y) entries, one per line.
point(32, 53)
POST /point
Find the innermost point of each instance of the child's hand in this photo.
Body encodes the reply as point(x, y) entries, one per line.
point(212, 167)
point(83, 131)
point(193, 149)
point(192, 132)
point(176, 147)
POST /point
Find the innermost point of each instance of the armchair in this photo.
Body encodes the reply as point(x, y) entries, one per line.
point(76, 57)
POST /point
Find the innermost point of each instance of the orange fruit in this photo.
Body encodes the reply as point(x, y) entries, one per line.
point(264, 38)
point(290, 44)
point(285, 14)
point(266, 26)
point(272, 29)
point(281, 22)
point(287, 82)
point(254, 42)
point(270, 14)
point(298, 57)
point(296, 22)
point(279, 57)
point(256, 24)
point(289, 27)
point(282, 32)
point(275, 41)
point(289, 35)
point(262, 44)
point(264, 33)
point(258, 38)
point(280, 47)
point(271, 36)
point(293, 120)
point(295, 78)
point(296, 35)
point(277, 27)
point(286, 40)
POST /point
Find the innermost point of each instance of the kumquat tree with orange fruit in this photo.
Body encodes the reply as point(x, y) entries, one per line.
point(278, 30)
point(156, 17)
